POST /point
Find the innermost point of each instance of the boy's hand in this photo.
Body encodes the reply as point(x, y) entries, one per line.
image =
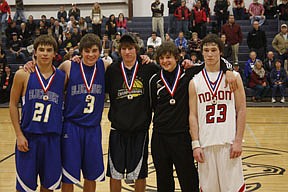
point(22, 143)
point(145, 59)
point(76, 59)
point(29, 67)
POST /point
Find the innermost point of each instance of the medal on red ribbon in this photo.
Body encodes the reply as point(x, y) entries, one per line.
point(172, 89)
point(213, 86)
point(45, 88)
point(129, 86)
point(90, 85)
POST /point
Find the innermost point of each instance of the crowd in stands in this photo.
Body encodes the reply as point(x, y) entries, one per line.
point(187, 25)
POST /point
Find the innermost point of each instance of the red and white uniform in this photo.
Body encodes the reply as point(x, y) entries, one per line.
point(217, 130)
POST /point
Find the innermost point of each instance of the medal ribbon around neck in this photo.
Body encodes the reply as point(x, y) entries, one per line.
point(88, 87)
point(129, 87)
point(45, 88)
point(175, 83)
point(213, 86)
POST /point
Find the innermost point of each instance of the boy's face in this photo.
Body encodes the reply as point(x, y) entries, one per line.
point(211, 54)
point(45, 54)
point(168, 62)
point(90, 55)
point(129, 53)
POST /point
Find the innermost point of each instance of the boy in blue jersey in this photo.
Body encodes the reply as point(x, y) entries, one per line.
point(82, 137)
point(38, 150)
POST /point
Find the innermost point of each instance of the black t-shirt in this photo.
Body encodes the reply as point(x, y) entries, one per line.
point(129, 115)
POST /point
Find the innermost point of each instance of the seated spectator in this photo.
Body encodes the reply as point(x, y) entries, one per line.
point(221, 12)
point(140, 43)
point(258, 81)
point(270, 7)
point(12, 28)
point(182, 15)
point(83, 26)
point(6, 84)
point(168, 37)
point(199, 19)
point(239, 9)
point(150, 52)
point(3, 60)
point(43, 28)
point(61, 13)
point(194, 45)
point(24, 35)
point(181, 41)
point(269, 64)
point(70, 23)
point(31, 25)
point(58, 32)
point(227, 51)
point(121, 24)
point(74, 11)
point(283, 11)
point(110, 26)
point(280, 44)
point(183, 54)
point(15, 47)
point(256, 11)
point(45, 22)
point(115, 47)
point(67, 44)
point(194, 59)
point(249, 65)
point(278, 78)
point(57, 60)
point(106, 44)
point(51, 23)
point(237, 68)
point(63, 24)
point(154, 40)
point(106, 58)
point(76, 36)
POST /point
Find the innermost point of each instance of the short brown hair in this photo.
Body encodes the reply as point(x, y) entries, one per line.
point(167, 47)
point(45, 40)
point(210, 39)
point(89, 40)
point(129, 40)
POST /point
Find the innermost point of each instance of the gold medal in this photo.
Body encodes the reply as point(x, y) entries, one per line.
point(172, 101)
point(45, 97)
point(88, 97)
point(130, 97)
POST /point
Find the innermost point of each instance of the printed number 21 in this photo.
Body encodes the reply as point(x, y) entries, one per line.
point(211, 110)
point(39, 112)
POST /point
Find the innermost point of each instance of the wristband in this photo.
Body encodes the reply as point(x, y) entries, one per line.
point(195, 144)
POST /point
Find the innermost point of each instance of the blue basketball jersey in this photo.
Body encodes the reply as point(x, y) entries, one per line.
point(41, 116)
point(83, 108)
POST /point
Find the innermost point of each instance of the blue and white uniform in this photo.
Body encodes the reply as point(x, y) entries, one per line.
point(41, 124)
point(82, 137)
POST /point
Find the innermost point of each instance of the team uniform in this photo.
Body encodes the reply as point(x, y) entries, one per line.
point(171, 141)
point(130, 116)
point(82, 136)
point(217, 130)
point(41, 124)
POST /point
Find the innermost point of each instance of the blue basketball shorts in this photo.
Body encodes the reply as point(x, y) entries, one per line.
point(82, 150)
point(43, 159)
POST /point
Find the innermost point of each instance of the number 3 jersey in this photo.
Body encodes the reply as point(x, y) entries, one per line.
point(83, 108)
point(216, 109)
point(42, 115)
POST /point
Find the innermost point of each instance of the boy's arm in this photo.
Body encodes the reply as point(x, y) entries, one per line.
point(193, 123)
point(16, 93)
point(240, 104)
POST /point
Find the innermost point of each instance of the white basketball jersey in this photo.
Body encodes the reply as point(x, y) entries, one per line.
point(216, 109)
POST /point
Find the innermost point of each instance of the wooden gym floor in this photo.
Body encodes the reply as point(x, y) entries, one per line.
point(265, 156)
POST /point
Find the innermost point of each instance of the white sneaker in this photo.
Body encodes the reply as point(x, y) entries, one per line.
point(282, 100)
point(273, 100)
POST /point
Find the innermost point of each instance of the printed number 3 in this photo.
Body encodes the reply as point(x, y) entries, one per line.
point(39, 110)
point(90, 104)
point(210, 116)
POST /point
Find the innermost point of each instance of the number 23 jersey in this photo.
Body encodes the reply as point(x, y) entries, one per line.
point(216, 109)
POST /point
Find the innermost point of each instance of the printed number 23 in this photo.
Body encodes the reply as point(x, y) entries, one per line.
point(211, 110)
